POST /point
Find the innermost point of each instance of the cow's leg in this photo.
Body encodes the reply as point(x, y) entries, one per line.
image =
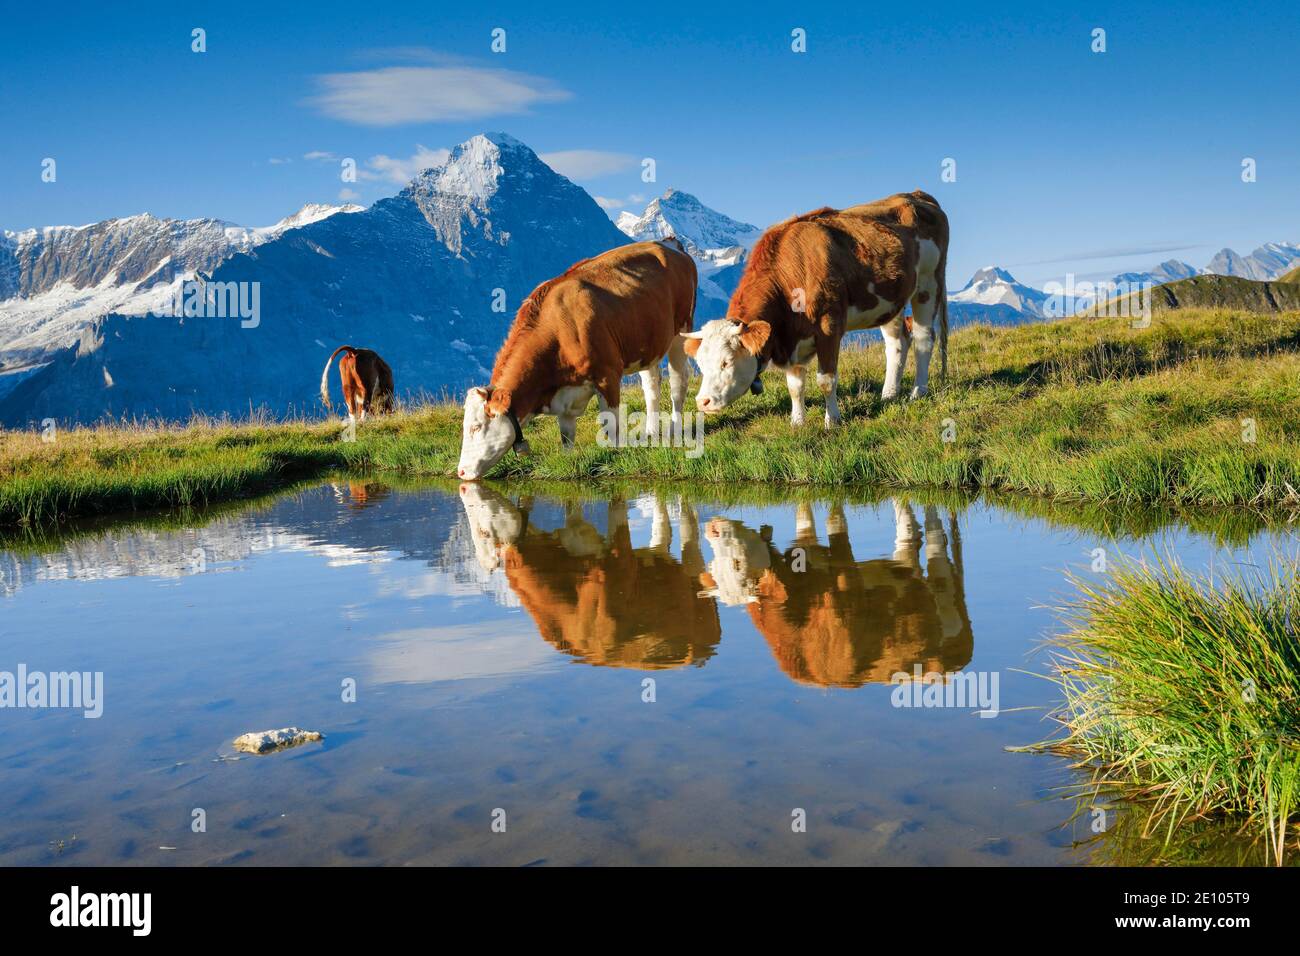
point(828, 362)
point(897, 340)
point(794, 382)
point(923, 336)
point(805, 524)
point(568, 429)
point(608, 398)
point(678, 375)
point(650, 389)
point(907, 536)
point(661, 526)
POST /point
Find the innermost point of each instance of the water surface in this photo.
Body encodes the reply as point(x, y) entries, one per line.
point(643, 677)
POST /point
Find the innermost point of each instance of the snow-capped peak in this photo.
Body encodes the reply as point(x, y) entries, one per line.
point(713, 239)
point(311, 212)
point(995, 286)
point(473, 169)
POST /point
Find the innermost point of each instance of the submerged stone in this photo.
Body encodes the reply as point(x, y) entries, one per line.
point(268, 741)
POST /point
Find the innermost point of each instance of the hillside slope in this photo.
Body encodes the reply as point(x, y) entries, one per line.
point(1214, 292)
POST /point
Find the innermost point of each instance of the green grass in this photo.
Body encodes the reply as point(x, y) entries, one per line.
point(1082, 410)
point(1182, 697)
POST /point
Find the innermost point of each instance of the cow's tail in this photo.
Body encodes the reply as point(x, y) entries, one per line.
point(324, 376)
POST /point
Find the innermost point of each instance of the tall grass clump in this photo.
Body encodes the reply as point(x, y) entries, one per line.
point(1182, 693)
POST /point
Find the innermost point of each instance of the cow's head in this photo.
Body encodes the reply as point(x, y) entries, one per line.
point(489, 431)
point(727, 353)
point(494, 523)
point(741, 557)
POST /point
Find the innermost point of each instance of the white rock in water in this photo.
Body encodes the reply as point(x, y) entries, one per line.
point(265, 741)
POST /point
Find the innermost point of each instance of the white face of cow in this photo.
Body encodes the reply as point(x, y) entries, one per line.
point(494, 523)
point(485, 437)
point(727, 354)
point(740, 559)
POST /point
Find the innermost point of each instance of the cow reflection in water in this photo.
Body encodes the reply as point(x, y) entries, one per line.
point(834, 621)
point(594, 596)
point(360, 494)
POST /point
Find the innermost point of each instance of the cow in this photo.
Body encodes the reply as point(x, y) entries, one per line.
point(367, 382)
point(577, 335)
point(833, 621)
point(815, 277)
point(594, 596)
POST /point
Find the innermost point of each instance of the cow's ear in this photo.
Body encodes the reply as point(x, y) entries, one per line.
point(482, 393)
point(755, 336)
point(692, 346)
point(499, 402)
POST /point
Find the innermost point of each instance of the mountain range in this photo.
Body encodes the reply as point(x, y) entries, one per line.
point(430, 278)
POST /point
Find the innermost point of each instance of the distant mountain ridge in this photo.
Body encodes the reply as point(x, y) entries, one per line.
point(56, 280)
point(718, 244)
point(430, 278)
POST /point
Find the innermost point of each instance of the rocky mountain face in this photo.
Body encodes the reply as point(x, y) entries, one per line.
point(994, 295)
point(1269, 261)
point(717, 243)
point(55, 281)
point(429, 278)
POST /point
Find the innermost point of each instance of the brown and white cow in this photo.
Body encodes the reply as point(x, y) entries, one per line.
point(577, 335)
point(367, 382)
point(835, 621)
point(817, 276)
point(594, 596)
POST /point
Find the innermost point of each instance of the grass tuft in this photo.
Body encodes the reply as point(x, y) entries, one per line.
point(1182, 694)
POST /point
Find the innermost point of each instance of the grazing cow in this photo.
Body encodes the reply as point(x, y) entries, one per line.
point(834, 621)
point(594, 596)
point(817, 276)
point(577, 335)
point(367, 382)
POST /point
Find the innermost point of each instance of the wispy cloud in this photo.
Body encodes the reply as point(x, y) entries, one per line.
point(587, 163)
point(348, 195)
point(611, 202)
point(318, 156)
point(444, 89)
point(1115, 252)
point(279, 160)
point(395, 169)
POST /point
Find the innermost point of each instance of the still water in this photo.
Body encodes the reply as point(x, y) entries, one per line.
point(508, 677)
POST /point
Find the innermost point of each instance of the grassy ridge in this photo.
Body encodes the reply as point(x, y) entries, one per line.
point(1183, 694)
point(1082, 409)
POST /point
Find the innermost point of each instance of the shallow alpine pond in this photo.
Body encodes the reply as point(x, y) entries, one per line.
point(520, 675)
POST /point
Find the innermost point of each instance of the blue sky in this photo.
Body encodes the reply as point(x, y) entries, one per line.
point(1067, 160)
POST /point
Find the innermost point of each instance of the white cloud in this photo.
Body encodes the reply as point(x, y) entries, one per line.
point(317, 156)
point(608, 203)
point(394, 95)
point(402, 171)
point(347, 195)
point(279, 160)
point(587, 163)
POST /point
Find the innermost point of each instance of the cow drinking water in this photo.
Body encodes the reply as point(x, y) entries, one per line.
point(577, 335)
point(817, 276)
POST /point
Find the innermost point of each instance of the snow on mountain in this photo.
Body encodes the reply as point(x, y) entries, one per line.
point(993, 292)
point(716, 242)
point(1269, 261)
point(56, 280)
point(712, 239)
point(449, 258)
